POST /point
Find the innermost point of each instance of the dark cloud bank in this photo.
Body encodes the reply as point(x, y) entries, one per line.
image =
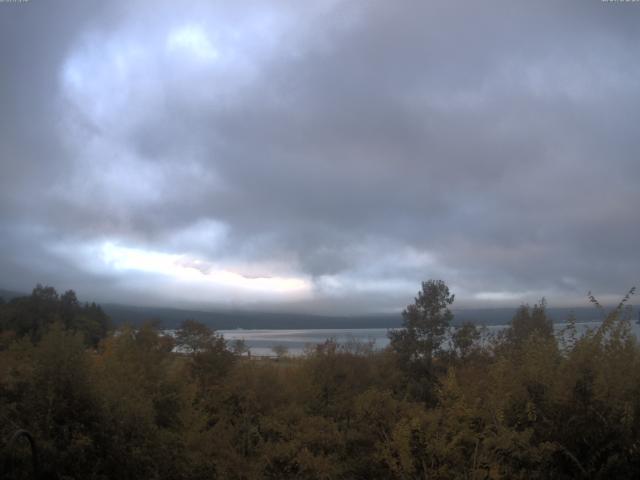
point(320, 156)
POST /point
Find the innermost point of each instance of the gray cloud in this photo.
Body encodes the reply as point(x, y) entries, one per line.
point(332, 155)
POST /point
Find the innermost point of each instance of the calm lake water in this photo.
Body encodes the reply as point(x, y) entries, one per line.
point(261, 342)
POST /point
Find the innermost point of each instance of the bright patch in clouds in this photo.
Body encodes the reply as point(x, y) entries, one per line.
point(185, 269)
point(500, 296)
point(192, 39)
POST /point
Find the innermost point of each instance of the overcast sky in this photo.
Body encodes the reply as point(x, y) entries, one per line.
point(320, 156)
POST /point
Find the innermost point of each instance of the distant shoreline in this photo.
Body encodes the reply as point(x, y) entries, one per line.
point(250, 320)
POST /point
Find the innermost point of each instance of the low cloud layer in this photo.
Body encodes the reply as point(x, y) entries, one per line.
point(320, 156)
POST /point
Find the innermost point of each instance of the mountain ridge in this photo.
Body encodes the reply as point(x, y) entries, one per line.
point(169, 317)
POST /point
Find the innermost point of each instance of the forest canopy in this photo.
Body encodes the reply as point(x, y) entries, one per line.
point(439, 402)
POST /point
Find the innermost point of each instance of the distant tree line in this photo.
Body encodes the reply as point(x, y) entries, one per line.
point(31, 316)
point(132, 403)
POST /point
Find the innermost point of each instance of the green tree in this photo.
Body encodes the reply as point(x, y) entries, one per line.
point(33, 315)
point(425, 322)
point(93, 323)
point(465, 339)
point(529, 321)
point(69, 308)
point(425, 326)
point(193, 336)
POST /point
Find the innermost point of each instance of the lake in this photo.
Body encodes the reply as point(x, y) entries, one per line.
point(261, 342)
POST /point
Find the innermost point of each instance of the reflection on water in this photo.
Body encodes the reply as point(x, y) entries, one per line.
point(261, 342)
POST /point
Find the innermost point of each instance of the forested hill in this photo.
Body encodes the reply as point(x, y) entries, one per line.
point(8, 294)
point(226, 320)
point(223, 320)
point(231, 319)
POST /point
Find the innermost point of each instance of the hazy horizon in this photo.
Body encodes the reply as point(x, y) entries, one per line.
point(476, 314)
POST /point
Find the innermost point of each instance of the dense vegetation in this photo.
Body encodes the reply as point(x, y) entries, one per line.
point(124, 404)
